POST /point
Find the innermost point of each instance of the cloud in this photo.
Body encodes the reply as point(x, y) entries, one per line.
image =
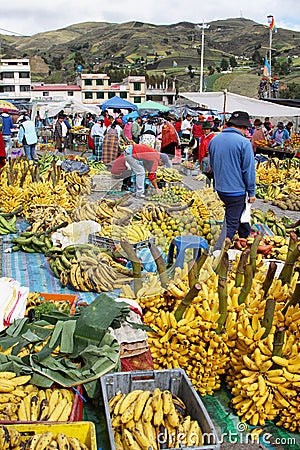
point(34, 16)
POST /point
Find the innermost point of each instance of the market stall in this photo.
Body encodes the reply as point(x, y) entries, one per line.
point(210, 321)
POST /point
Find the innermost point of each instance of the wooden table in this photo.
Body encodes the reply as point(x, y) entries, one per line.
point(273, 153)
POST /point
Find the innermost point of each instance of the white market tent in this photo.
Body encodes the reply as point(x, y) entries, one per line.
point(69, 106)
point(228, 102)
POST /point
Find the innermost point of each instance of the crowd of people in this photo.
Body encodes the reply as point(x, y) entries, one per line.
point(133, 147)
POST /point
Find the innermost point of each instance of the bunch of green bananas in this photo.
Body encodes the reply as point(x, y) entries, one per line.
point(8, 226)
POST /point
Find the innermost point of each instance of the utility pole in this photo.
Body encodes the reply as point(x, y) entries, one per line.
point(202, 27)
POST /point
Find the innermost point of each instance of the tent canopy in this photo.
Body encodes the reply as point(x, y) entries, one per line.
point(228, 102)
point(117, 102)
point(151, 106)
point(4, 104)
point(69, 106)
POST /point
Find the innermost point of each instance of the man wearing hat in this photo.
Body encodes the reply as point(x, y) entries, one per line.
point(233, 164)
point(208, 134)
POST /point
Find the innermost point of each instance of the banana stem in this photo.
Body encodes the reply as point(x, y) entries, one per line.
point(241, 267)
point(136, 264)
point(269, 278)
point(268, 316)
point(201, 261)
point(253, 251)
point(295, 298)
point(186, 301)
point(278, 341)
point(222, 291)
point(247, 284)
point(160, 264)
point(225, 248)
point(192, 273)
point(291, 257)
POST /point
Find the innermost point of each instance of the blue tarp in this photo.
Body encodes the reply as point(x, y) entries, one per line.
point(117, 102)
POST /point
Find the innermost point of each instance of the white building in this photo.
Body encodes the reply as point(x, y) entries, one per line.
point(15, 79)
point(97, 88)
point(55, 92)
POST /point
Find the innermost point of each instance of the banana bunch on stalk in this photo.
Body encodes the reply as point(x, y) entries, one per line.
point(152, 419)
point(11, 197)
point(53, 405)
point(134, 232)
point(105, 211)
point(87, 268)
point(193, 343)
point(11, 438)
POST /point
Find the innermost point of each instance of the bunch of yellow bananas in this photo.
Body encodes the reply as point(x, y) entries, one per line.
point(11, 438)
point(11, 197)
point(151, 212)
point(145, 419)
point(53, 405)
point(78, 184)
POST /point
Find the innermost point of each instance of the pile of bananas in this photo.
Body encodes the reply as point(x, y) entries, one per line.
point(134, 232)
point(79, 129)
point(145, 419)
point(20, 400)
point(151, 212)
point(88, 269)
point(53, 405)
point(11, 197)
point(8, 226)
point(30, 242)
point(270, 219)
point(103, 211)
point(96, 167)
point(77, 184)
point(12, 439)
point(43, 217)
point(269, 172)
point(168, 174)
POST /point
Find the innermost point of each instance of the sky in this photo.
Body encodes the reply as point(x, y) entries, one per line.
point(35, 16)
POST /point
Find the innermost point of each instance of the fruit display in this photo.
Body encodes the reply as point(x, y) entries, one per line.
point(269, 218)
point(43, 217)
point(140, 419)
point(23, 401)
point(167, 196)
point(87, 268)
point(245, 327)
point(134, 232)
point(8, 226)
point(36, 302)
point(11, 438)
point(168, 174)
point(103, 211)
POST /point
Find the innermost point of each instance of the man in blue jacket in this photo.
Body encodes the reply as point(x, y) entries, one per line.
point(233, 164)
point(7, 125)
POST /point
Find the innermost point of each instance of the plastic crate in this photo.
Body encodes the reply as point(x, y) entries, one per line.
point(71, 298)
point(104, 183)
point(109, 243)
point(84, 431)
point(174, 380)
point(76, 411)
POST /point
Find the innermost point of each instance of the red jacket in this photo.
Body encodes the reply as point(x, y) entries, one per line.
point(142, 152)
point(203, 147)
point(2, 152)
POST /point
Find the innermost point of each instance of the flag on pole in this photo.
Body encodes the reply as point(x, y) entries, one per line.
point(174, 63)
point(272, 25)
point(267, 68)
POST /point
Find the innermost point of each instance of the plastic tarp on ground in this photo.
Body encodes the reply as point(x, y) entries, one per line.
point(117, 102)
point(228, 102)
point(51, 109)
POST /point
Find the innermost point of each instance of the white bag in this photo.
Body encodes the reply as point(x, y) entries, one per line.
point(246, 214)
